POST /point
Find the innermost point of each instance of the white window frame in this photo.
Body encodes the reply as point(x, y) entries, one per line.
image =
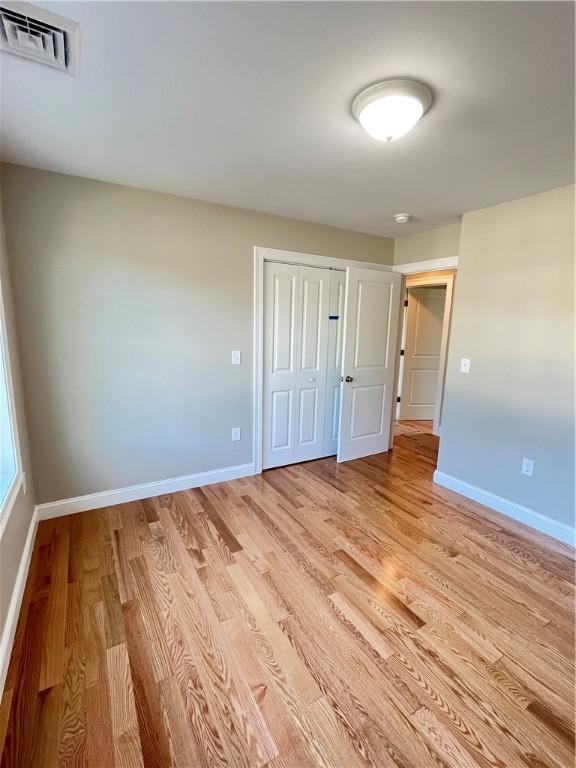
point(17, 481)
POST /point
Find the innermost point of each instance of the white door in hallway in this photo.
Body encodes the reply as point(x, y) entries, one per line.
point(372, 305)
point(295, 356)
point(334, 369)
point(424, 322)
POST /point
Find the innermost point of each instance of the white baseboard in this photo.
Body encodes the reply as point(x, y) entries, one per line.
point(516, 511)
point(11, 623)
point(432, 265)
point(142, 491)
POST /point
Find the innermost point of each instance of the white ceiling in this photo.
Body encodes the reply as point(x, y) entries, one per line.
point(248, 104)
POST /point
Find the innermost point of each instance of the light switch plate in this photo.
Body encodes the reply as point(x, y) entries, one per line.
point(236, 357)
point(236, 434)
point(527, 467)
point(465, 365)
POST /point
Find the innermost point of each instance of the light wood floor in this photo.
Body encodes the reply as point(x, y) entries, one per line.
point(319, 615)
point(417, 436)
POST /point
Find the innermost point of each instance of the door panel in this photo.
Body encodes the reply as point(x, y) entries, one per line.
point(367, 410)
point(308, 417)
point(311, 320)
point(424, 320)
point(281, 419)
point(372, 307)
point(284, 287)
point(373, 310)
point(334, 365)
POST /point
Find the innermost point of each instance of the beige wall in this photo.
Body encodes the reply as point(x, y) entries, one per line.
point(128, 306)
point(514, 318)
point(15, 532)
point(437, 243)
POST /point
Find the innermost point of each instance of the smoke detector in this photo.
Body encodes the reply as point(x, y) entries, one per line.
point(40, 36)
point(402, 218)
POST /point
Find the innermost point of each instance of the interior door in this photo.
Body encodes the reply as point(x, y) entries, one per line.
point(334, 365)
point(295, 355)
point(371, 317)
point(281, 308)
point(424, 322)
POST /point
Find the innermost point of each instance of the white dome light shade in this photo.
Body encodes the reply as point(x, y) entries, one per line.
point(391, 117)
point(388, 110)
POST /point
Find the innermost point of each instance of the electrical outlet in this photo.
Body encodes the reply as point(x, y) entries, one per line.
point(465, 365)
point(236, 434)
point(527, 467)
point(236, 357)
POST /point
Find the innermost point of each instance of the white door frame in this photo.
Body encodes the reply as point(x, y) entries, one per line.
point(261, 255)
point(416, 281)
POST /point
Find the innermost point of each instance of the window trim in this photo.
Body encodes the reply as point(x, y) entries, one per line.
point(7, 503)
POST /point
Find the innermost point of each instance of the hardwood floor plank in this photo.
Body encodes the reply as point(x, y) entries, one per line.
point(160, 656)
point(52, 665)
point(321, 615)
point(99, 744)
point(24, 712)
point(442, 742)
point(175, 724)
point(72, 735)
point(125, 732)
point(153, 737)
point(5, 707)
point(114, 621)
point(47, 742)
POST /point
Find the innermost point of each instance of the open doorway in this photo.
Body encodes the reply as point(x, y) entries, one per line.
point(424, 347)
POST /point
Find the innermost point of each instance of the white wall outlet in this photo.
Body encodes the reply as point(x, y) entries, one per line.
point(527, 467)
point(236, 434)
point(465, 365)
point(236, 357)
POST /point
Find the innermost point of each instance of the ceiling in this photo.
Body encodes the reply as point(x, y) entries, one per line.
point(248, 104)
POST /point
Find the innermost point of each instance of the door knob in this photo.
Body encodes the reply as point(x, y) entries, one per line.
point(312, 379)
point(349, 378)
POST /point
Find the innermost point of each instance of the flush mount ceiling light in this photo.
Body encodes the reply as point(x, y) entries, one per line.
point(402, 218)
point(389, 109)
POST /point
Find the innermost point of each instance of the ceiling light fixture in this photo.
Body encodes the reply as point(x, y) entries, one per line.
point(402, 218)
point(389, 109)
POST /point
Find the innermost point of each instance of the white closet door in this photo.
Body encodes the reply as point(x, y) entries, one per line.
point(281, 309)
point(295, 354)
point(370, 339)
point(334, 366)
point(312, 351)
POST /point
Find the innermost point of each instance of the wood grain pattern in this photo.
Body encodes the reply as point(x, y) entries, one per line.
point(343, 616)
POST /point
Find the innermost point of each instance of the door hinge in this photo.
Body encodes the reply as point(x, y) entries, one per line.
point(405, 302)
point(401, 353)
point(398, 399)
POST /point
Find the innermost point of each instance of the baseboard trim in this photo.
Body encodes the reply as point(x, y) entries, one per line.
point(522, 514)
point(432, 265)
point(142, 491)
point(7, 639)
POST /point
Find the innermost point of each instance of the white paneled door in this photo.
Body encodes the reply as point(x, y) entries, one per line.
point(424, 324)
point(372, 303)
point(296, 300)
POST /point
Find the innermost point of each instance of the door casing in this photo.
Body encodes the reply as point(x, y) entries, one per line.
point(442, 277)
point(262, 255)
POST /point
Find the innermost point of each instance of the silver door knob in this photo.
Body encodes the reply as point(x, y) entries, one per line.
point(349, 378)
point(312, 379)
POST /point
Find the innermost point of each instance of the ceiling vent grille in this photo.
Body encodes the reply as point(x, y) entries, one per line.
point(40, 36)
